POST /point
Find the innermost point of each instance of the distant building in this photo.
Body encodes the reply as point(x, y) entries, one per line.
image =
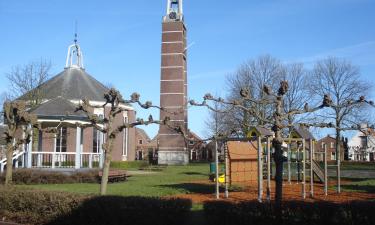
point(331, 149)
point(145, 148)
point(197, 148)
point(362, 145)
point(148, 149)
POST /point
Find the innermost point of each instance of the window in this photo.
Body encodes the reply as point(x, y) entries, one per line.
point(332, 145)
point(333, 155)
point(191, 142)
point(322, 145)
point(364, 142)
point(140, 142)
point(95, 141)
point(61, 137)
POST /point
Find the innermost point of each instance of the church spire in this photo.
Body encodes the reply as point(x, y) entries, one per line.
point(74, 58)
point(174, 10)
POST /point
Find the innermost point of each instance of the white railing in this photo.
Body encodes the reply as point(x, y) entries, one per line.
point(65, 160)
point(91, 160)
point(18, 156)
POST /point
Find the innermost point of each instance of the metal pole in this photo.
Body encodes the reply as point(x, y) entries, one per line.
point(226, 193)
point(325, 171)
point(298, 165)
point(268, 169)
point(260, 170)
point(304, 169)
point(311, 169)
point(338, 159)
point(217, 171)
point(289, 170)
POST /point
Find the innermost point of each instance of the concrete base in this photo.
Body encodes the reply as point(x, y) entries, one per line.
point(173, 157)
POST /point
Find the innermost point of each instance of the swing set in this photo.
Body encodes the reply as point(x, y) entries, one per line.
point(250, 160)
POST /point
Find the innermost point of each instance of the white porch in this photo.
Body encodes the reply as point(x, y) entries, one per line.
point(76, 158)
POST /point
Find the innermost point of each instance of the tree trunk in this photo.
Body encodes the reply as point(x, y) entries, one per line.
point(9, 170)
point(279, 172)
point(105, 172)
point(338, 158)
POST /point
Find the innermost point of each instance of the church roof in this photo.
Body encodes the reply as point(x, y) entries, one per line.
point(58, 108)
point(73, 84)
point(303, 133)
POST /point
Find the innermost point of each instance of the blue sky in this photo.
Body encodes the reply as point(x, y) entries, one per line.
point(121, 39)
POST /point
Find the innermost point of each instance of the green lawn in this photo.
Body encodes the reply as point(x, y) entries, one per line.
point(172, 180)
point(360, 185)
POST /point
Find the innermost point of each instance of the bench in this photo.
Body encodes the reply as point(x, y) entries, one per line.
point(115, 176)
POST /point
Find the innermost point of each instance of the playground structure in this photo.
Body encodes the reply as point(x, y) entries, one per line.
point(250, 160)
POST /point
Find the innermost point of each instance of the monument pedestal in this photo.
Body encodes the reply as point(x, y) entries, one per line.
point(173, 157)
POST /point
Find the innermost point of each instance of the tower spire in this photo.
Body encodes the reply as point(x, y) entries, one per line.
point(75, 33)
point(74, 58)
point(174, 10)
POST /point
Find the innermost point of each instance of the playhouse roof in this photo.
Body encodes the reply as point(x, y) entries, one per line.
point(242, 150)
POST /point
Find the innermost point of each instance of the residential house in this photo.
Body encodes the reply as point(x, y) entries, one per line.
point(331, 149)
point(362, 145)
point(146, 149)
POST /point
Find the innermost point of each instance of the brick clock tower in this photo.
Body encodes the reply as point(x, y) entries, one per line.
point(173, 86)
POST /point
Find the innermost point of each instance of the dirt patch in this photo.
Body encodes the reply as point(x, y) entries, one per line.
point(291, 191)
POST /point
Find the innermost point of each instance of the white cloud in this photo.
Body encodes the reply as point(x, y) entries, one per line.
point(361, 54)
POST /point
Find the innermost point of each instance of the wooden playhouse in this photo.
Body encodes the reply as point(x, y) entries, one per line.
point(243, 162)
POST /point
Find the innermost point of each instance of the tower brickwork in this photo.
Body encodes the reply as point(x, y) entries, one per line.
point(173, 86)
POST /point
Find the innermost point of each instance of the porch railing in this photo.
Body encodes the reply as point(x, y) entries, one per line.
point(65, 160)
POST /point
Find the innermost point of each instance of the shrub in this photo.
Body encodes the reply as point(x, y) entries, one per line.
point(293, 212)
point(115, 210)
point(55, 208)
point(29, 176)
point(35, 207)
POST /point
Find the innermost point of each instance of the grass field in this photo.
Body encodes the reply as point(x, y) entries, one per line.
point(175, 180)
point(170, 181)
point(360, 185)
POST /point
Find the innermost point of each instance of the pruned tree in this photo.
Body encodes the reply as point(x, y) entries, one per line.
point(106, 125)
point(340, 80)
point(18, 131)
point(252, 76)
point(297, 95)
point(25, 81)
point(216, 121)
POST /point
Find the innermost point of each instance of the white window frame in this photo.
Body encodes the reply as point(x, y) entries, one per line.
point(125, 137)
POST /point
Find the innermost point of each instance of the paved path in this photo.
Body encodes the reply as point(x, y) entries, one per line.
point(370, 174)
point(140, 172)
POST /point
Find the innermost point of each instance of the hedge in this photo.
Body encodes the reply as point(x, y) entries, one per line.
point(115, 210)
point(33, 207)
point(293, 212)
point(29, 176)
